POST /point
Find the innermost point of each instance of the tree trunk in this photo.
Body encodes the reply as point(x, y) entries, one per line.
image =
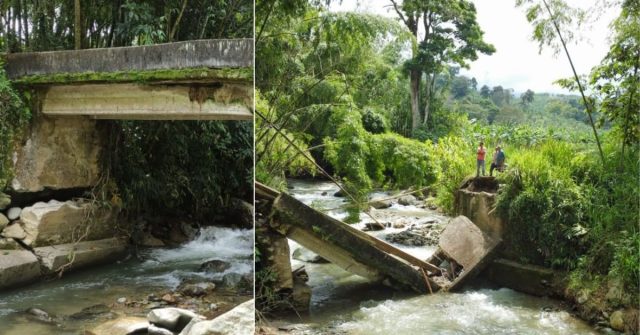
point(415, 98)
point(177, 23)
point(77, 25)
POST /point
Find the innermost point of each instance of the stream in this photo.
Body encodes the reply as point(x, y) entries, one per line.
point(158, 269)
point(343, 303)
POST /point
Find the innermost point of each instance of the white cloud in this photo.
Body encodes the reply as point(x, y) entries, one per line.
point(516, 63)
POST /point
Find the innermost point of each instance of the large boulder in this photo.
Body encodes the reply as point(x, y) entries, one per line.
point(215, 266)
point(18, 267)
point(57, 153)
point(3, 221)
point(174, 319)
point(306, 255)
point(56, 222)
point(14, 213)
point(122, 326)
point(238, 321)
point(241, 213)
point(9, 244)
point(78, 255)
point(14, 231)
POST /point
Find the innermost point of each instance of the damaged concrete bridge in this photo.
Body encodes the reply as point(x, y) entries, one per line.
point(192, 80)
point(55, 159)
point(463, 250)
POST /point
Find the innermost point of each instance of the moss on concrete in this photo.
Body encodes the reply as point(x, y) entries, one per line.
point(177, 75)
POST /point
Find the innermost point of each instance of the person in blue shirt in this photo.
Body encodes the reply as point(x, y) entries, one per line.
point(498, 160)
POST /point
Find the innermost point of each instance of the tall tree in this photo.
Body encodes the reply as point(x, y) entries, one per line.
point(527, 98)
point(410, 12)
point(451, 36)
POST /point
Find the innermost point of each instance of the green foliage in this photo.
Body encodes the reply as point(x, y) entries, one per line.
point(453, 158)
point(181, 168)
point(49, 25)
point(374, 122)
point(14, 115)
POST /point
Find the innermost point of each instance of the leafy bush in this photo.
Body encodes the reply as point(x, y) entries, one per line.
point(454, 159)
point(374, 122)
point(14, 115)
point(181, 167)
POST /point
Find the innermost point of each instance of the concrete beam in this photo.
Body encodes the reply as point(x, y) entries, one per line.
point(150, 102)
point(231, 53)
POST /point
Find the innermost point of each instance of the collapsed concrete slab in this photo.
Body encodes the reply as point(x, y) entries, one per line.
point(463, 251)
point(83, 254)
point(18, 267)
point(56, 222)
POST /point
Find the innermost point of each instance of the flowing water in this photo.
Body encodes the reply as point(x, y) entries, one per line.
point(158, 269)
point(343, 303)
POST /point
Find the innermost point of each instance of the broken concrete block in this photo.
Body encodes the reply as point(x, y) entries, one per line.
point(56, 222)
point(18, 267)
point(82, 254)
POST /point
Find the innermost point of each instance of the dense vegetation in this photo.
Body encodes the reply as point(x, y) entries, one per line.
point(336, 90)
point(158, 168)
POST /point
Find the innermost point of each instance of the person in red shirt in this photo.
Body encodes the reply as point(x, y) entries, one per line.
point(480, 159)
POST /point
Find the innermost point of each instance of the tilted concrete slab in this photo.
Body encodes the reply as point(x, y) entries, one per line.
point(224, 53)
point(469, 246)
point(82, 254)
point(150, 102)
point(18, 267)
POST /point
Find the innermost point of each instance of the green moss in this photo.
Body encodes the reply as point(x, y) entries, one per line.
point(230, 74)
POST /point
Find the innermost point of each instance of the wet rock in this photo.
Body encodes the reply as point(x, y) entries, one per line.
point(407, 200)
point(5, 201)
point(324, 193)
point(238, 321)
point(94, 312)
point(174, 319)
point(14, 213)
point(122, 326)
point(241, 213)
point(14, 231)
point(414, 237)
point(18, 267)
point(215, 266)
point(55, 222)
point(617, 320)
point(189, 230)
point(306, 255)
point(121, 300)
point(39, 315)
point(339, 194)
point(380, 204)
point(196, 290)
point(399, 225)
point(3, 221)
point(168, 298)
point(150, 241)
point(373, 226)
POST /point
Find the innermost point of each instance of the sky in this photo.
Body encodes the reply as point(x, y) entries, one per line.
point(516, 63)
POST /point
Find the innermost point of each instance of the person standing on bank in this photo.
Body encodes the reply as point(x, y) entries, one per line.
point(498, 160)
point(480, 159)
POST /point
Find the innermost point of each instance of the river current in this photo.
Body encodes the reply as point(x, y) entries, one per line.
point(156, 269)
point(343, 303)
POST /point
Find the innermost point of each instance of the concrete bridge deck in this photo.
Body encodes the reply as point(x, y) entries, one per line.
point(192, 80)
